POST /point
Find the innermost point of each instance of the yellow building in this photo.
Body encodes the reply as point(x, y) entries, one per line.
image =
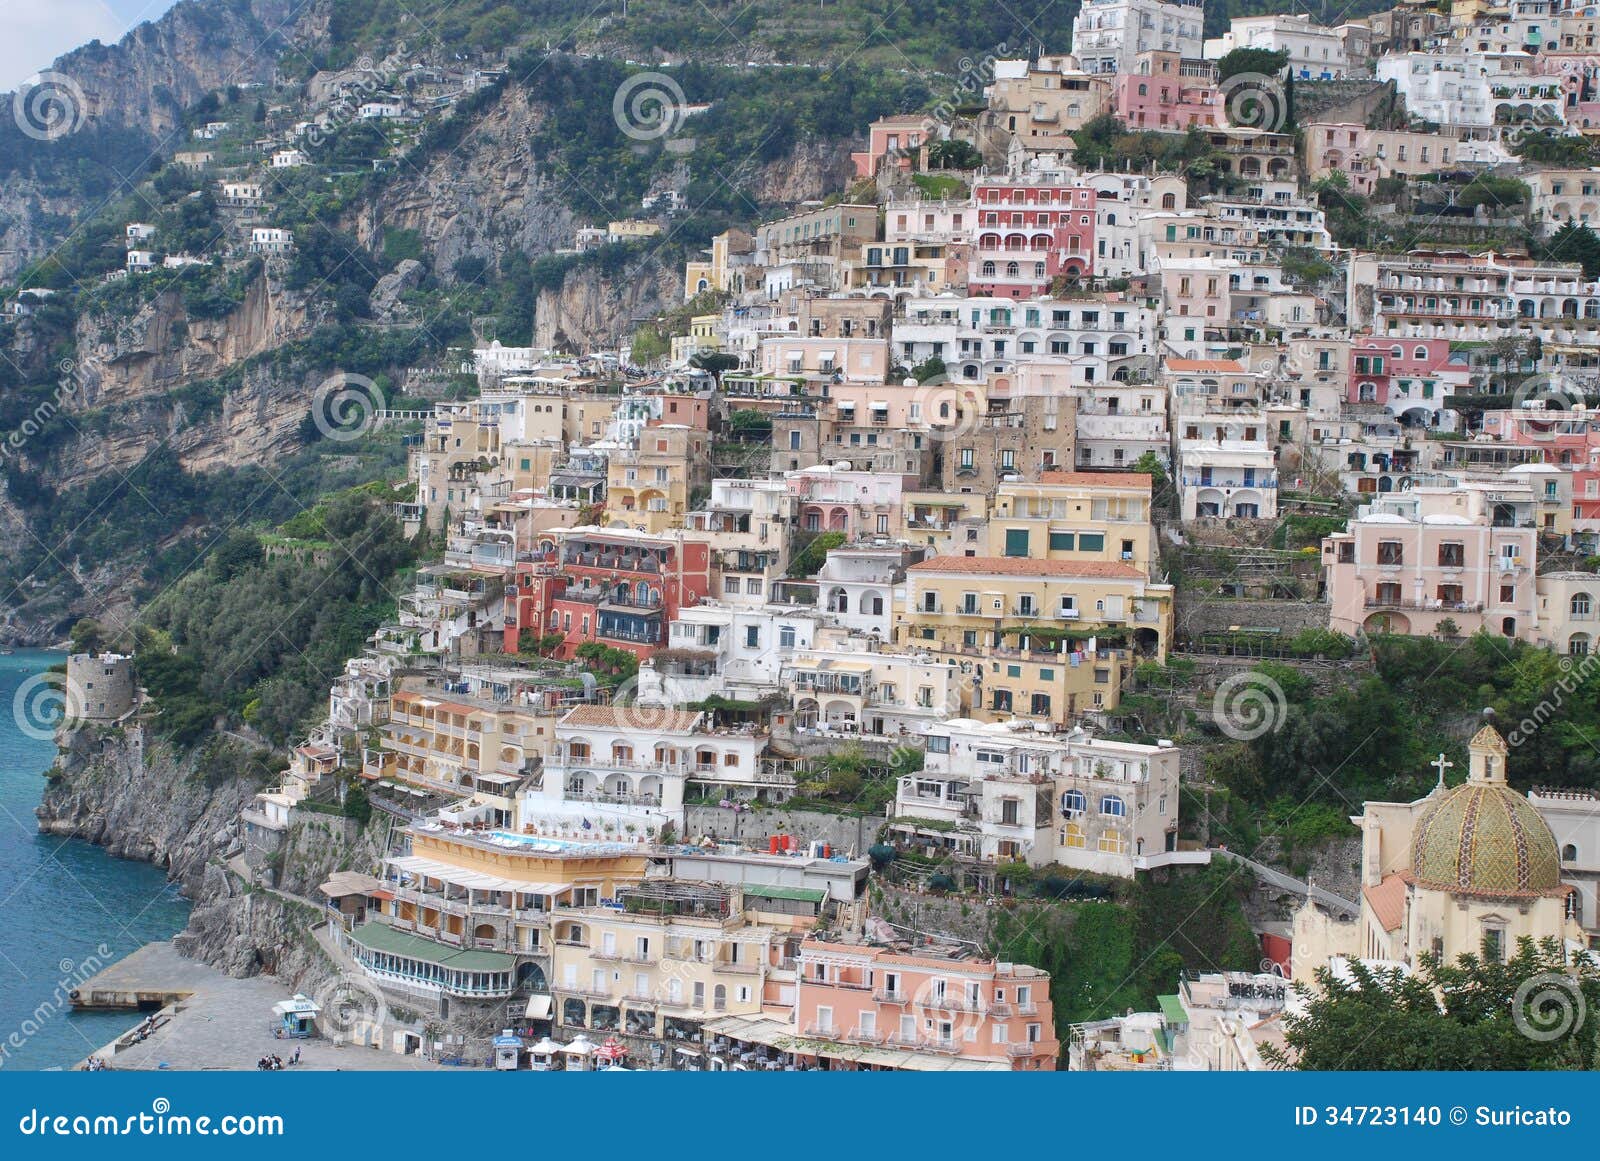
point(1075, 516)
point(1466, 868)
point(463, 889)
point(459, 745)
point(716, 272)
point(677, 954)
point(648, 487)
point(702, 338)
point(1048, 639)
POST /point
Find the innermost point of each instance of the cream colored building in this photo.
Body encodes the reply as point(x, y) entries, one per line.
point(1464, 870)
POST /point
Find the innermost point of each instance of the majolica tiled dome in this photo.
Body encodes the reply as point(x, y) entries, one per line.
point(1482, 837)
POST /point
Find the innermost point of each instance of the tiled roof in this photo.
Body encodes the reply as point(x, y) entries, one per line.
point(1098, 479)
point(1388, 901)
point(625, 717)
point(1226, 366)
point(1027, 566)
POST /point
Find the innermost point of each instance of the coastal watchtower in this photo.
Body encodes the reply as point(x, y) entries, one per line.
point(100, 686)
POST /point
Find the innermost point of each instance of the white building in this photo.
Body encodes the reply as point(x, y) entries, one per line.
point(1108, 34)
point(1012, 793)
point(289, 159)
point(1315, 52)
point(271, 240)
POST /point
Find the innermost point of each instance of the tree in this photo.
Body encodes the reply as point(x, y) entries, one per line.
point(930, 368)
point(1258, 62)
point(953, 154)
point(1477, 1013)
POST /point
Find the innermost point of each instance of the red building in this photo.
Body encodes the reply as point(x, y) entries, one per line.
point(1027, 234)
point(616, 586)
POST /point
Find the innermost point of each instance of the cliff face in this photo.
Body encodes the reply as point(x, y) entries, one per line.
point(146, 80)
point(139, 800)
point(133, 796)
point(486, 196)
point(595, 310)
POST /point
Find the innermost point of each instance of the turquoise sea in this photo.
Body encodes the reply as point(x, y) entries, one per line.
point(65, 905)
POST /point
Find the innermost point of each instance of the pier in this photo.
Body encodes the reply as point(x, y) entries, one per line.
point(148, 980)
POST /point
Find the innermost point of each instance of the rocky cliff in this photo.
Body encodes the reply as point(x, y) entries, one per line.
point(133, 795)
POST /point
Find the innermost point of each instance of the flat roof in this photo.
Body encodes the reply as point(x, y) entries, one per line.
point(804, 894)
point(382, 937)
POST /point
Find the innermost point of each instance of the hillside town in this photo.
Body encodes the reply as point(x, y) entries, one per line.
point(854, 592)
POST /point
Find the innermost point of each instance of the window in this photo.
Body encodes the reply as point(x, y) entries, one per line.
point(1091, 542)
point(1452, 555)
point(938, 744)
point(752, 636)
point(1391, 552)
point(1073, 804)
point(786, 636)
point(1112, 806)
point(1016, 542)
point(1062, 541)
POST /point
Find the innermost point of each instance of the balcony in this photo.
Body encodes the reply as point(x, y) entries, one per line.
point(1425, 606)
point(1026, 1048)
point(884, 996)
point(864, 1036)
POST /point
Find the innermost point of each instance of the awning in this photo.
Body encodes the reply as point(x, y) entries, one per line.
point(474, 880)
point(693, 1053)
point(539, 1008)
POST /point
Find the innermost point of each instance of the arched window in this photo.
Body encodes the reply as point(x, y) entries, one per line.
point(1113, 842)
point(1012, 270)
point(1072, 836)
point(1569, 853)
point(1169, 201)
point(988, 269)
point(1580, 604)
point(1113, 806)
point(1578, 645)
point(1073, 803)
point(1421, 353)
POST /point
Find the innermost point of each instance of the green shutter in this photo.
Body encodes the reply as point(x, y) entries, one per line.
point(1091, 542)
point(1016, 542)
point(1062, 541)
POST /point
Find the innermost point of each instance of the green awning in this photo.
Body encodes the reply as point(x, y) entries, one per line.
point(382, 937)
point(1172, 1010)
point(805, 894)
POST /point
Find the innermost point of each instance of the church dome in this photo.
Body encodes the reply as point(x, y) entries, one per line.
point(1482, 837)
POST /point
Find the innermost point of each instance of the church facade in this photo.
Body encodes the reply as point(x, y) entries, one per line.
point(1463, 870)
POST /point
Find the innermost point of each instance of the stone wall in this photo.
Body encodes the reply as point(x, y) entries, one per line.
point(846, 832)
point(1217, 616)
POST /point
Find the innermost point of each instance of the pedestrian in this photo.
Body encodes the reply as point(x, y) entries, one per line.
point(297, 1054)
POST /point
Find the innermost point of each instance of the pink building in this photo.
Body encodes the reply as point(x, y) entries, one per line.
point(833, 499)
point(1567, 439)
point(1411, 560)
point(940, 1011)
point(1167, 93)
point(1027, 234)
point(1414, 378)
point(898, 141)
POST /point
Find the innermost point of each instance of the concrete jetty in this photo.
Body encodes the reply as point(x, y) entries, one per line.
point(204, 1020)
point(147, 980)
